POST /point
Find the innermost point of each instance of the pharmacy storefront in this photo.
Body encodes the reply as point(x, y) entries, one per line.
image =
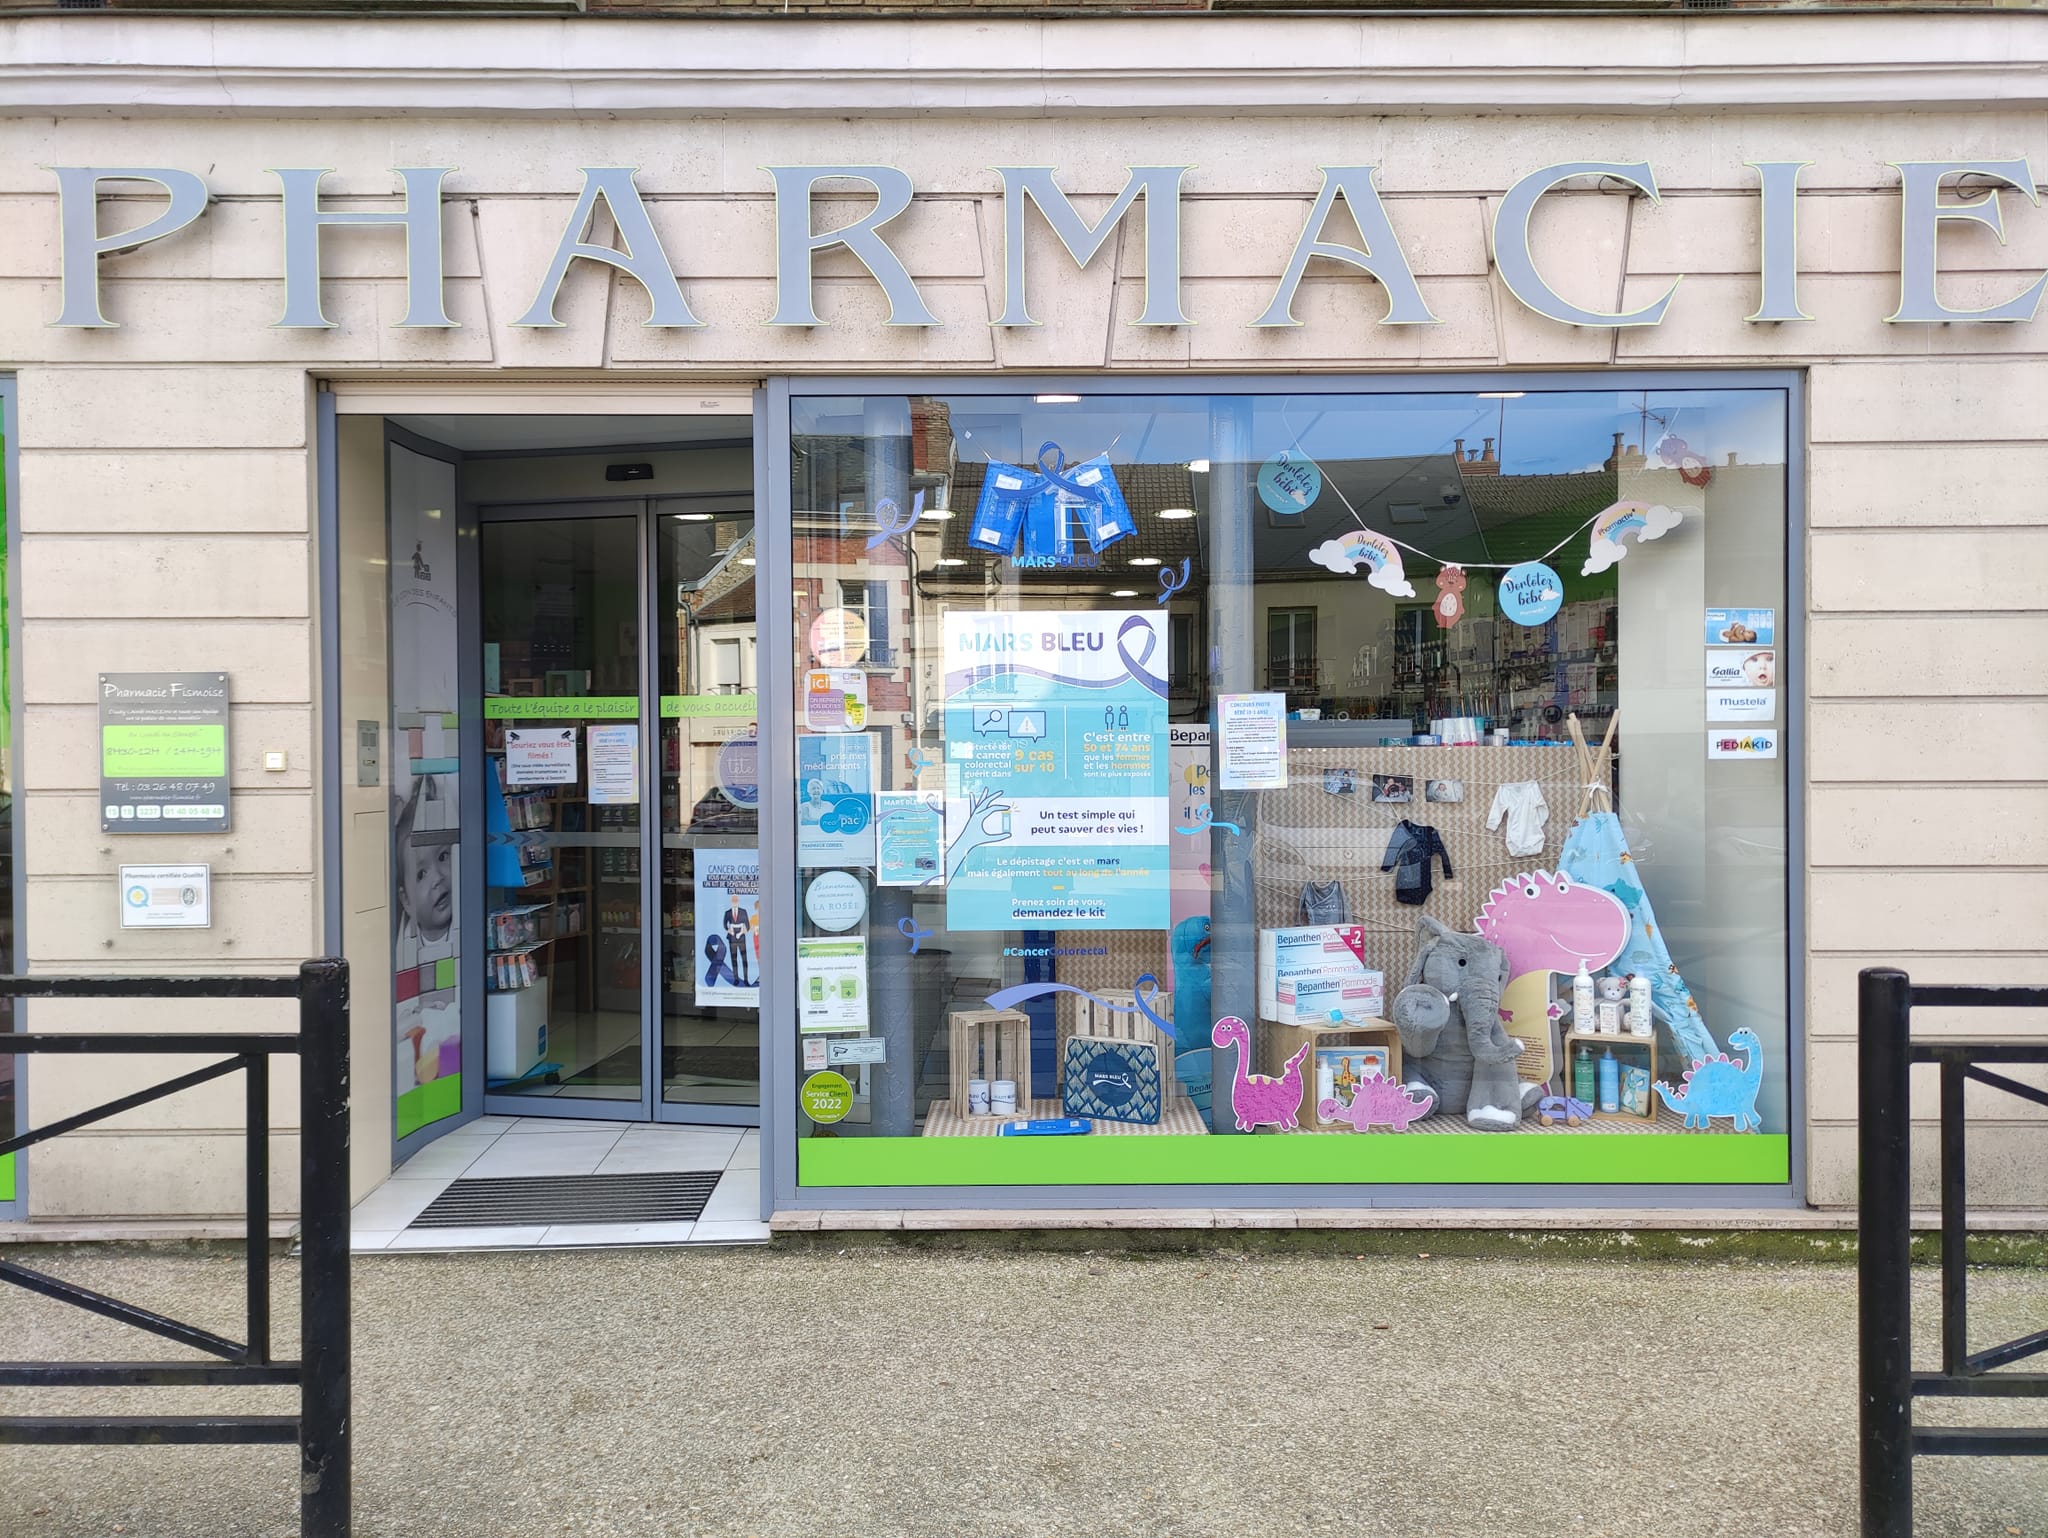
point(1055, 660)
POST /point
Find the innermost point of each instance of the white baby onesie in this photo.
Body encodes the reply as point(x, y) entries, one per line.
point(1523, 805)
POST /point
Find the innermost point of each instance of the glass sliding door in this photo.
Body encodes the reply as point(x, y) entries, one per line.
point(566, 880)
point(710, 1016)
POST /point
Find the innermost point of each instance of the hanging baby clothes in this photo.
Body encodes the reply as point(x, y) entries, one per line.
point(1323, 902)
point(1523, 805)
point(1408, 856)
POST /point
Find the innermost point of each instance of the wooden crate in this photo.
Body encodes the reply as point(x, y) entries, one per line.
point(1277, 1043)
point(988, 1044)
point(1090, 1019)
point(1630, 1051)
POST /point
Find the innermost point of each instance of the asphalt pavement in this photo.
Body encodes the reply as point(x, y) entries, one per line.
point(874, 1391)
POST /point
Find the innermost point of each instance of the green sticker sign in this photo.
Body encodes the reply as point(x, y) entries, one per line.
point(827, 1097)
point(559, 707)
point(164, 753)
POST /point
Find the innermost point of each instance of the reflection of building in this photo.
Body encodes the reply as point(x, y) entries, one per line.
point(1331, 641)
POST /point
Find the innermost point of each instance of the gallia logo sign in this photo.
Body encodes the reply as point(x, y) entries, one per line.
point(1378, 252)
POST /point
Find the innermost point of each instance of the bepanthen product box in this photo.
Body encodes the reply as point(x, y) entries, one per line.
point(1311, 952)
point(1326, 1000)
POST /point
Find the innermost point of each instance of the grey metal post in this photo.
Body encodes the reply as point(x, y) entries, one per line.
point(1884, 1326)
point(892, 994)
point(325, 1482)
point(1233, 928)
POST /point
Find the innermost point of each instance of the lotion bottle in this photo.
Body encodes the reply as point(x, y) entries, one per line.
point(1610, 1082)
point(1638, 1004)
point(1582, 1000)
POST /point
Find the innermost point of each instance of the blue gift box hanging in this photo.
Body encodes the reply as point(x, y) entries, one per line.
point(1053, 507)
point(1006, 494)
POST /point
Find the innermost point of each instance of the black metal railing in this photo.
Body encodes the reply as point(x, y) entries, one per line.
point(1888, 1383)
point(321, 1428)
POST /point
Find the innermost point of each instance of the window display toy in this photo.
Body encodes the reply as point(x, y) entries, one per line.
point(1380, 555)
point(1718, 1086)
point(1547, 923)
point(1676, 453)
point(891, 520)
point(911, 932)
point(1645, 520)
point(1596, 855)
point(1449, 607)
point(1452, 1042)
point(1170, 582)
point(1552, 1109)
point(1378, 1101)
point(1257, 1099)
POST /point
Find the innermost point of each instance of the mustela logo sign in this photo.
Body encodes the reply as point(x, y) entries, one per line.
point(1349, 191)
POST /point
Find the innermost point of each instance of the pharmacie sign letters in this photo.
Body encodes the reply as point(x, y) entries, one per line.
point(1349, 191)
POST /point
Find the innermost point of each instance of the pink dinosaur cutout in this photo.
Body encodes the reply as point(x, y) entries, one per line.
point(1549, 923)
point(1378, 1101)
point(1256, 1099)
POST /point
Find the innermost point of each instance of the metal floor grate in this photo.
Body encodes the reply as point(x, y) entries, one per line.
point(525, 1200)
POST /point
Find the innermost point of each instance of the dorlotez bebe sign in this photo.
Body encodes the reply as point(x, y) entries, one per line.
point(1056, 766)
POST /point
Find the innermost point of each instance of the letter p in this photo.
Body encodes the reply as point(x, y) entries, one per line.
point(79, 240)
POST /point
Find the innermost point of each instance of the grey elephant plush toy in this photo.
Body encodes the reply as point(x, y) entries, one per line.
point(1452, 1041)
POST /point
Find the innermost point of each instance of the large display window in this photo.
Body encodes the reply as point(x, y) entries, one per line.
point(1329, 786)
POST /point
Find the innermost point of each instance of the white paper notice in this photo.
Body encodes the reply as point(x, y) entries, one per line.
point(615, 765)
point(1252, 732)
point(540, 755)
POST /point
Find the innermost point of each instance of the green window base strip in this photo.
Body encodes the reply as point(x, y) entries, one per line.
point(428, 1104)
point(1649, 1159)
point(6, 1178)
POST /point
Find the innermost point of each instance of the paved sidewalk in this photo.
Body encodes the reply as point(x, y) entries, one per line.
point(874, 1392)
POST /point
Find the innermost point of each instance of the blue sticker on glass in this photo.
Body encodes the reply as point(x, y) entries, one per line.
point(1531, 593)
point(1289, 483)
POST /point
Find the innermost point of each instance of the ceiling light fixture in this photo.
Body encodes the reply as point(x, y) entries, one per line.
point(938, 512)
point(1056, 400)
point(746, 560)
point(1502, 395)
point(1198, 466)
point(1176, 512)
point(1144, 560)
point(951, 560)
point(1124, 592)
point(695, 517)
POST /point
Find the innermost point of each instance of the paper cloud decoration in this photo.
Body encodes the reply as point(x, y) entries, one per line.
point(1642, 519)
point(1380, 555)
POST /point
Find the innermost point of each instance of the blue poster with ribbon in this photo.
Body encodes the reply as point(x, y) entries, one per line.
point(1056, 769)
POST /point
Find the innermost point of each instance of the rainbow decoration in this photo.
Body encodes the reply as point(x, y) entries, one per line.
point(1644, 519)
point(1380, 555)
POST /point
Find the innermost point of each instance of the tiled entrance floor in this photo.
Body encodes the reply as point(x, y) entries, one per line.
point(537, 1145)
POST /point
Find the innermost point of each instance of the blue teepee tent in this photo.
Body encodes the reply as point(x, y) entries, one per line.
point(1596, 854)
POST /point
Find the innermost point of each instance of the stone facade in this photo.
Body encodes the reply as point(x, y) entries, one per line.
point(167, 481)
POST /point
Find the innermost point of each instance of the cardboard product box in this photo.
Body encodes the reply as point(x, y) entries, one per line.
point(1311, 1000)
point(1311, 951)
point(515, 1031)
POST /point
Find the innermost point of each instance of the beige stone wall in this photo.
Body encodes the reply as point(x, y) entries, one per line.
point(166, 506)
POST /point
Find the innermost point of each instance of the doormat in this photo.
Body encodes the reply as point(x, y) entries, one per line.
point(512, 1201)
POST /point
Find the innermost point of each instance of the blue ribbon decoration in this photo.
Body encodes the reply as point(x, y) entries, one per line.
point(1206, 819)
point(1055, 473)
point(1135, 665)
point(889, 518)
point(715, 953)
point(912, 933)
point(1169, 584)
point(918, 760)
point(1145, 991)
